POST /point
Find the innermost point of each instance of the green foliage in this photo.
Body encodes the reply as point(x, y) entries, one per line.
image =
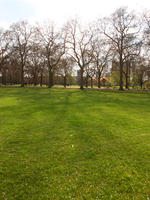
point(147, 84)
point(70, 144)
point(71, 80)
point(114, 78)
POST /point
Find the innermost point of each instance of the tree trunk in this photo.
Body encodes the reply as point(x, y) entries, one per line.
point(86, 83)
point(65, 81)
point(35, 79)
point(10, 79)
point(141, 85)
point(41, 80)
point(127, 76)
point(22, 76)
point(81, 78)
point(127, 84)
point(99, 79)
point(91, 82)
point(50, 80)
point(99, 83)
point(50, 74)
point(121, 73)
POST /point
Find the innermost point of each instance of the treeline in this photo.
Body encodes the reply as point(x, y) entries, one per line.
point(114, 49)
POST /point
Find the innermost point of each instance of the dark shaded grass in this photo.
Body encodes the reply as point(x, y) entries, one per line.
point(72, 144)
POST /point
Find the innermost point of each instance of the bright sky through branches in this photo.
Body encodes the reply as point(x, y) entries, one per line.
point(62, 10)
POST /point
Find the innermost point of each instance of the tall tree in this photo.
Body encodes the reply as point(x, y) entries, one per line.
point(53, 41)
point(21, 33)
point(4, 53)
point(34, 63)
point(101, 57)
point(65, 68)
point(140, 74)
point(79, 46)
point(120, 30)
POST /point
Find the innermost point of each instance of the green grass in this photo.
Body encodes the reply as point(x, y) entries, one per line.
point(60, 144)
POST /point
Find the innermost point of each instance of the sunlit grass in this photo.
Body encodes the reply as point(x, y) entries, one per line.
point(71, 144)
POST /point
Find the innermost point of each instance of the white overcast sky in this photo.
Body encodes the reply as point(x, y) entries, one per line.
point(61, 10)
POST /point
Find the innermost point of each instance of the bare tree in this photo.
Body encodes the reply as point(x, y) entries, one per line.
point(101, 57)
point(146, 30)
point(146, 36)
point(21, 34)
point(140, 71)
point(130, 55)
point(53, 41)
point(120, 30)
point(65, 68)
point(4, 53)
point(34, 63)
point(79, 46)
point(39, 51)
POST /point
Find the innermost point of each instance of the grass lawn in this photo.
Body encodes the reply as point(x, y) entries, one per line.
point(58, 144)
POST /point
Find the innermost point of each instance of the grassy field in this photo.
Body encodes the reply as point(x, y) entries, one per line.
point(58, 144)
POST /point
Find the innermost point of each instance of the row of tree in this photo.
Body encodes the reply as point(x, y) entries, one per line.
point(39, 53)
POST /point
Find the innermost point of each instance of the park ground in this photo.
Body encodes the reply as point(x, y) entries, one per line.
point(62, 144)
